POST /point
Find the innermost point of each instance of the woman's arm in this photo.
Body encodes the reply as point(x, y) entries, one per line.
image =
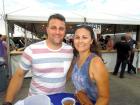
point(98, 72)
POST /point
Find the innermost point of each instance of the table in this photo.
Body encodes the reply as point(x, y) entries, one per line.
point(108, 56)
point(56, 98)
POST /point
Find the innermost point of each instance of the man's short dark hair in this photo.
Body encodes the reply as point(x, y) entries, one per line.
point(123, 38)
point(56, 16)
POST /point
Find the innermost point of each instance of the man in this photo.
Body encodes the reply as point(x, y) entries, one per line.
point(48, 60)
point(2, 51)
point(4, 38)
point(123, 51)
point(131, 43)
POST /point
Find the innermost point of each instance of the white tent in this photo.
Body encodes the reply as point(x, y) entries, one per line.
point(96, 11)
point(20, 32)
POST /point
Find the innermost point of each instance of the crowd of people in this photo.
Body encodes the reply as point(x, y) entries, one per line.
point(85, 66)
point(125, 55)
point(107, 43)
point(125, 52)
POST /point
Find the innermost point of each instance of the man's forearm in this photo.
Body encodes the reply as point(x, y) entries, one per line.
point(13, 88)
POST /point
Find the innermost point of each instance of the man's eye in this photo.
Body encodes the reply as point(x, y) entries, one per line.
point(61, 29)
point(53, 27)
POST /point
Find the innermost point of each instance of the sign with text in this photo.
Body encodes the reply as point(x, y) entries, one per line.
point(96, 28)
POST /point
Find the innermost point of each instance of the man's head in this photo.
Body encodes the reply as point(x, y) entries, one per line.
point(0, 36)
point(123, 38)
point(56, 16)
point(4, 37)
point(56, 29)
point(128, 36)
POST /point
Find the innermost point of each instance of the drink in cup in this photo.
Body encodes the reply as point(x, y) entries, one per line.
point(68, 101)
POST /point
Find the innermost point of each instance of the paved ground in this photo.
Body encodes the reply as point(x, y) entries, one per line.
point(124, 91)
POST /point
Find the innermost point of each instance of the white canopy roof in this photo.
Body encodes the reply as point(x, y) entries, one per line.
point(96, 11)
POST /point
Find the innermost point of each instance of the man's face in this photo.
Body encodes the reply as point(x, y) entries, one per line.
point(56, 31)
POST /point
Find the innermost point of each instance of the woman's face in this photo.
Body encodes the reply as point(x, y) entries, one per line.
point(82, 40)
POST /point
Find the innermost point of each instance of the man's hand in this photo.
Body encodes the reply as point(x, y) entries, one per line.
point(7, 103)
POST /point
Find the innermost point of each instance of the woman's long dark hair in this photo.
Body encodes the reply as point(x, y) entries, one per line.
point(94, 46)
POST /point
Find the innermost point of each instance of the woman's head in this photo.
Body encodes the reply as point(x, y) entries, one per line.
point(84, 40)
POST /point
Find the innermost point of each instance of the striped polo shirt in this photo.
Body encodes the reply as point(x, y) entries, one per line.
point(48, 67)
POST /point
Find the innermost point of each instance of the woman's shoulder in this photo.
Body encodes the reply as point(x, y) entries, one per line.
point(96, 59)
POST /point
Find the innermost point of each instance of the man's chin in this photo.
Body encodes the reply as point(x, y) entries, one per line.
point(58, 42)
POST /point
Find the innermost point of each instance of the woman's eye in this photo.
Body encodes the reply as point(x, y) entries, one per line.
point(76, 37)
point(84, 37)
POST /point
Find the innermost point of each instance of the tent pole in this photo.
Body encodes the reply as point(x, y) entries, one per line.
point(8, 47)
point(85, 20)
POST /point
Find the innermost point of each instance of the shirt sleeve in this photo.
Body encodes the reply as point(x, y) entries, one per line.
point(26, 59)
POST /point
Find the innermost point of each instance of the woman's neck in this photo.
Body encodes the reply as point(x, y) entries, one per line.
point(83, 55)
point(82, 58)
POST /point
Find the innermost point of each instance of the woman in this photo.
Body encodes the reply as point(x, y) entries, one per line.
point(109, 43)
point(89, 73)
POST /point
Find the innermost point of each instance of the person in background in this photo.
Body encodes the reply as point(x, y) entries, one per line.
point(109, 43)
point(2, 53)
point(12, 44)
point(123, 52)
point(102, 42)
point(131, 43)
point(45, 60)
point(88, 72)
point(4, 38)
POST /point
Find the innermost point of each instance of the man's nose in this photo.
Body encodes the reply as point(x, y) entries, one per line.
point(57, 31)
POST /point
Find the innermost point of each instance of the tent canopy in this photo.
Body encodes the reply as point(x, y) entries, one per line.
point(96, 11)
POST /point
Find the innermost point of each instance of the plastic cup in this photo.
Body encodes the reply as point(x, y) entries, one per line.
point(68, 101)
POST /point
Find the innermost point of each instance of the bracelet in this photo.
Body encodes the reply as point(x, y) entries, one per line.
point(7, 103)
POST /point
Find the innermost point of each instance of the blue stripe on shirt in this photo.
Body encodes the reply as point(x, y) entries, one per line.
point(25, 65)
point(49, 60)
point(50, 80)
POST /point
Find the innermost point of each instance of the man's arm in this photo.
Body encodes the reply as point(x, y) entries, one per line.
point(14, 85)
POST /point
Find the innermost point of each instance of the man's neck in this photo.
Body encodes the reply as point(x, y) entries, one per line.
point(53, 46)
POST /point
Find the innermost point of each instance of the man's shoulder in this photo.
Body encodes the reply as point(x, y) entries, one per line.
point(40, 43)
point(35, 45)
